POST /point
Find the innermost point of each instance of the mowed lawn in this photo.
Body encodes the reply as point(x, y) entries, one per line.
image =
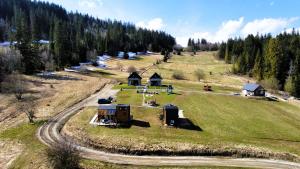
point(224, 120)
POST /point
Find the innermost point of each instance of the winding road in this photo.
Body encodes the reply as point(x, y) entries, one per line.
point(50, 134)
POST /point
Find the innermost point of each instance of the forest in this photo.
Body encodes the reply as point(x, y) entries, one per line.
point(273, 61)
point(73, 37)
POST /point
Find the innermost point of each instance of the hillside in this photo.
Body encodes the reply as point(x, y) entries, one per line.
point(73, 37)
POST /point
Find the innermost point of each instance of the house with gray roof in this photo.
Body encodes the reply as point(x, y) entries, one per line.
point(253, 89)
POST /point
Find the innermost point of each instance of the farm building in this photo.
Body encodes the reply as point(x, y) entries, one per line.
point(253, 89)
point(134, 79)
point(171, 115)
point(114, 114)
point(155, 80)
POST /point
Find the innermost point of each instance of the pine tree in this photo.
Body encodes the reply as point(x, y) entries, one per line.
point(258, 69)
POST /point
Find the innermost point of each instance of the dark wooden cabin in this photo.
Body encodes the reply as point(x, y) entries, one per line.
point(155, 80)
point(134, 79)
point(171, 115)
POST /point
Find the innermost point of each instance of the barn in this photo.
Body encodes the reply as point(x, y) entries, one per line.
point(155, 80)
point(253, 89)
point(134, 79)
point(170, 114)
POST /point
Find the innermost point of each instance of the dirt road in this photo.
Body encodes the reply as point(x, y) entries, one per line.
point(50, 135)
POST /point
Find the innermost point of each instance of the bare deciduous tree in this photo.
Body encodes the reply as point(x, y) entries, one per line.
point(28, 108)
point(17, 85)
point(63, 156)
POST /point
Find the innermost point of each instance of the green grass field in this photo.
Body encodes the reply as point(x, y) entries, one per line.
point(225, 121)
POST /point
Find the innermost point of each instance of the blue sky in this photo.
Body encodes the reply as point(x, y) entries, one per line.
point(215, 20)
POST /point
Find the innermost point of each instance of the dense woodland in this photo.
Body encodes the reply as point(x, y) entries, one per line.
point(274, 61)
point(201, 45)
point(73, 37)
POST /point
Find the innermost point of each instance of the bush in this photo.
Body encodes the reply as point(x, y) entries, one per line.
point(63, 156)
point(178, 75)
point(271, 83)
point(199, 73)
point(288, 87)
point(131, 69)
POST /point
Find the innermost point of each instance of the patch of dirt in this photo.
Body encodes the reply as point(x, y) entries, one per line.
point(9, 152)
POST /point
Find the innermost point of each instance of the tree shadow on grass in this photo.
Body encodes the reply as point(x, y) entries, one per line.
point(187, 124)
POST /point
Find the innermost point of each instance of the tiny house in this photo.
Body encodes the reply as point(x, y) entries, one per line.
point(155, 80)
point(171, 115)
point(252, 89)
point(114, 114)
point(134, 79)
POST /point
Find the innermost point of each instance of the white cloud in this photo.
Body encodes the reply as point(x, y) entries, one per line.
point(228, 29)
point(267, 25)
point(237, 28)
point(90, 3)
point(153, 24)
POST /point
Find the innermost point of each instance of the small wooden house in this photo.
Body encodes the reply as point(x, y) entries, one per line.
point(252, 89)
point(123, 113)
point(114, 114)
point(134, 79)
point(155, 80)
point(171, 115)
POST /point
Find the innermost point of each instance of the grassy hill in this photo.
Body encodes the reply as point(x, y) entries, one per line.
point(223, 121)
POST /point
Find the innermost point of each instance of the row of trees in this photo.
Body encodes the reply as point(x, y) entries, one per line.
point(267, 58)
point(201, 45)
point(73, 37)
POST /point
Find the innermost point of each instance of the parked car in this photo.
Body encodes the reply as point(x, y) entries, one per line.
point(104, 101)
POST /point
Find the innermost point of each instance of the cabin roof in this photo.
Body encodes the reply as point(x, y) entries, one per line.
point(170, 106)
point(155, 76)
point(108, 107)
point(251, 87)
point(134, 75)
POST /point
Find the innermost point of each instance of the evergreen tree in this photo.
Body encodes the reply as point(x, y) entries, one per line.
point(258, 69)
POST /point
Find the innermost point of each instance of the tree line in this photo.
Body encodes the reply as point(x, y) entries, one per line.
point(201, 45)
point(73, 37)
point(274, 61)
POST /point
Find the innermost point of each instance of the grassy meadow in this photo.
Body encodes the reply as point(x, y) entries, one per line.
point(226, 121)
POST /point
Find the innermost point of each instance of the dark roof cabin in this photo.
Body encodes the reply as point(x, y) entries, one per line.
point(253, 89)
point(171, 115)
point(155, 80)
point(134, 79)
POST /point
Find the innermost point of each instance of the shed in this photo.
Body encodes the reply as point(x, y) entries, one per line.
point(155, 80)
point(123, 113)
point(134, 79)
point(253, 89)
point(171, 115)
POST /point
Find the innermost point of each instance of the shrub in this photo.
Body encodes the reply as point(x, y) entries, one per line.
point(199, 73)
point(63, 156)
point(178, 75)
point(271, 83)
point(288, 87)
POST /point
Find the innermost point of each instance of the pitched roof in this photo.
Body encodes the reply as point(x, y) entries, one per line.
point(251, 87)
point(155, 76)
point(134, 75)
